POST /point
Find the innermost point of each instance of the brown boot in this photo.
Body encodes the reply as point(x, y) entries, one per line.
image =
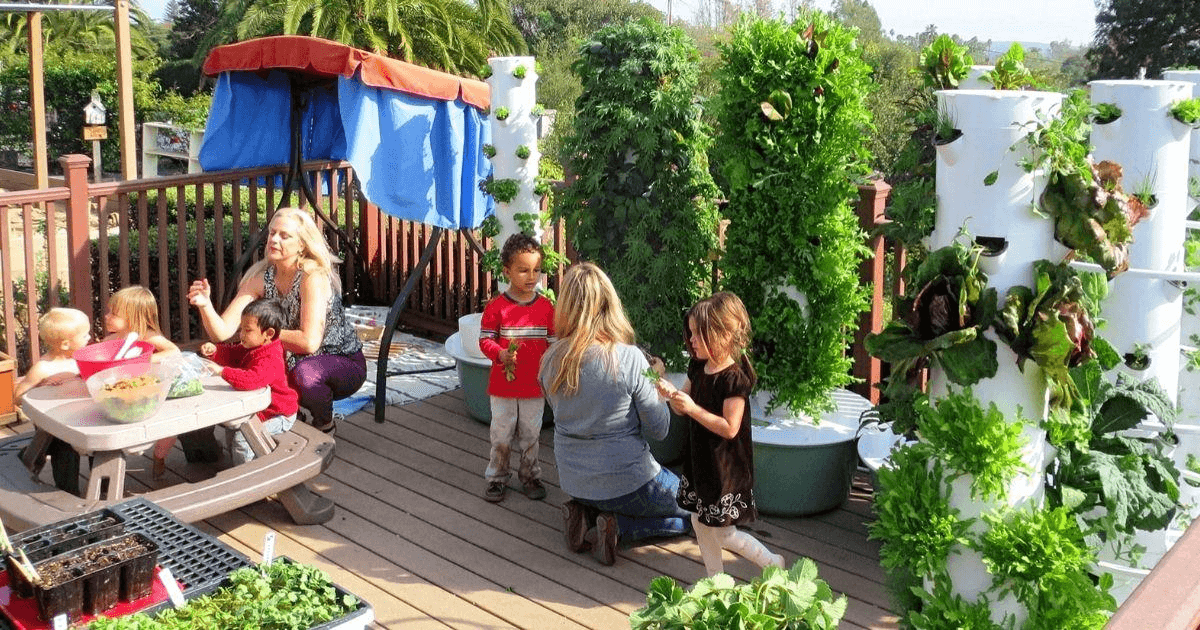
point(575, 525)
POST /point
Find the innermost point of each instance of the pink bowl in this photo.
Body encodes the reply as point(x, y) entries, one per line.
point(99, 356)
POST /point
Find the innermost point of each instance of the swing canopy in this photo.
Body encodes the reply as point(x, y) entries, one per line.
point(414, 136)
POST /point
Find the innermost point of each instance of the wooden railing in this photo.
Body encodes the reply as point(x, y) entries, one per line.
point(77, 243)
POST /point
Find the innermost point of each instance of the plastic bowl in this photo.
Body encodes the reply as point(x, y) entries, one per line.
point(99, 356)
point(133, 392)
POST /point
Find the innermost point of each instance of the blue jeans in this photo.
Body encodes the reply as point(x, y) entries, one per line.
point(648, 511)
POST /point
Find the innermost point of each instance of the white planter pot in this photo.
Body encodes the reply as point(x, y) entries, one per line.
point(1152, 149)
point(970, 579)
point(992, 121)
point(468, 329)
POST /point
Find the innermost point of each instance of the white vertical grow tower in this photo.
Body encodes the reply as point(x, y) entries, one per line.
point(1189, 382)
point(1144, 305)
point(514, 90)
point(992, 122)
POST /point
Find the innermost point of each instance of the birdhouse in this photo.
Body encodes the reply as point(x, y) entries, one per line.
point(94, 112)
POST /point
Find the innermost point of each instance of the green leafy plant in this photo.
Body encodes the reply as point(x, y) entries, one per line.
point(502, 113)
point(1187, 112)
point(642, 206)
point(1106, 113)
point(652, 375)
point(1128, 477)
point(792, 598)
point(944, 63)
point(1051, 325)
point(503, 190)
point(485, 72)
point(1091, 213)
point(913, 517)
point(945, 128)
point(519, 72)
point(943, 609)
point(1009, 71)
point(541, 188)
point(793, 243)
point(1041, 557)
point(489, 150)
point(941, 324)
point(975, 441)
point(522, 152)
point(280, 596)
point(538, 110)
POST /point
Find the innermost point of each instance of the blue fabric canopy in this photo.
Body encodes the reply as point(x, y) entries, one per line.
point(418, 159)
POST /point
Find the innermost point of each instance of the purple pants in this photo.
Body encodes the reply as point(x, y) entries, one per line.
point(321, 379)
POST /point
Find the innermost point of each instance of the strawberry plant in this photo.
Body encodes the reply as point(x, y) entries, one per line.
point(792, 598)
point(793, 244)
point(642, 206)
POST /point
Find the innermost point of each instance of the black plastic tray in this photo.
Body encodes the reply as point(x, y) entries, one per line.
point(198, 561)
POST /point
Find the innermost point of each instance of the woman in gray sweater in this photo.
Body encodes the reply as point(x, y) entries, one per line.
point(604, 406)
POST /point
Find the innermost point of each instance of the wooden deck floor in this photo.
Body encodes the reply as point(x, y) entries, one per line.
point(413, 536)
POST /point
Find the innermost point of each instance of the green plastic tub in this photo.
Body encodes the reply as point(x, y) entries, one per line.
point(802, 467)
point(473, 375)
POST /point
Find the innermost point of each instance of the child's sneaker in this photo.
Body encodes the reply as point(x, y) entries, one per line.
point(495, 491)
point(535, 490)
point(605, 548)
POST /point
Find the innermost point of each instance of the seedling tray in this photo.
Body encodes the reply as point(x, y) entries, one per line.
point(92, 578)
point(51, 540)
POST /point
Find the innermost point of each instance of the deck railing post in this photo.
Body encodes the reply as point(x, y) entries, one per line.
point(75, 168)
point(372, 246)
point(872, 199)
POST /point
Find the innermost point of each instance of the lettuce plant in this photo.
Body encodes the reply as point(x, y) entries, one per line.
point(913, 516)
point(792, 111)
point(1009, 72)
point(942, 325)
point(944, 63)
point(1187, 112)
point(975, 441)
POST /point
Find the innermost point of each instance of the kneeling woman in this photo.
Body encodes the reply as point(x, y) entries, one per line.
point(604, 406)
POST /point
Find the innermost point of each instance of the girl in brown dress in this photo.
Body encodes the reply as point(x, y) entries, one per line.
point(717, 484)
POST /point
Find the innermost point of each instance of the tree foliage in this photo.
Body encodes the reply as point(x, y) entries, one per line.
point(642, 206)
point(1131, 34)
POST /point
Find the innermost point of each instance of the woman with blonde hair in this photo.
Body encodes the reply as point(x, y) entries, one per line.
point(324, 355)
point(604, 408)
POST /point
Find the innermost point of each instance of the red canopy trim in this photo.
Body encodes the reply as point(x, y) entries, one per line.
point(321, 57)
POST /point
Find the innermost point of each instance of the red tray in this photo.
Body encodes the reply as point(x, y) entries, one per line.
point(23, 611)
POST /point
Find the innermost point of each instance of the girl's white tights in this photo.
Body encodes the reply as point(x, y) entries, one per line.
point(713, 539)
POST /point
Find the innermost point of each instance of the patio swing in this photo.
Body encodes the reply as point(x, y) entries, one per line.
point(382, 115)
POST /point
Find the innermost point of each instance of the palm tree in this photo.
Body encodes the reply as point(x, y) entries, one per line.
point(77, 30)
point(450, 35)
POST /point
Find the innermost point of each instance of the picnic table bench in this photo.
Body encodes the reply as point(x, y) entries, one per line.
point(281, 465)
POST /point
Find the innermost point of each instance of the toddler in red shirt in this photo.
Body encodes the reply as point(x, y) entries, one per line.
point(515, 330)
point(255, 361)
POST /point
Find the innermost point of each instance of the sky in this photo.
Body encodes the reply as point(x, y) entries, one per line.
point(1042, 21)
